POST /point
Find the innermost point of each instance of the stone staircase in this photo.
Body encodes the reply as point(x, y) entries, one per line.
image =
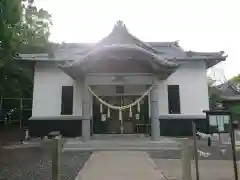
point(120, 142)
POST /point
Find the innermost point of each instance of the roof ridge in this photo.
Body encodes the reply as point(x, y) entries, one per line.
point(161, 42)
point(120, 33)
point(194, 53)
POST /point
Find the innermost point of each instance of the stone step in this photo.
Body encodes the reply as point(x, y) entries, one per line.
point(120, 142)
point(119, 145)
point(118, 135)
point(119, 148)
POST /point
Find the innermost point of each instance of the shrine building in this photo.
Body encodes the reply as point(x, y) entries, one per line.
point(120, 85)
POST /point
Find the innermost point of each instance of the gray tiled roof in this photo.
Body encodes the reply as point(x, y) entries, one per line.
point(228, 91)
point(231, 98)
point(105, 50)
point(120, 35)
point(165, 49)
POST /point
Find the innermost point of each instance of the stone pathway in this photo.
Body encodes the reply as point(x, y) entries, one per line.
point(119, 165)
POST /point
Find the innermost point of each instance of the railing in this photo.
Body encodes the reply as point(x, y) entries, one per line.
point(15, 111)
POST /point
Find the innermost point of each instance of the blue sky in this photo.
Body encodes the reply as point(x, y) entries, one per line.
point(199, 25)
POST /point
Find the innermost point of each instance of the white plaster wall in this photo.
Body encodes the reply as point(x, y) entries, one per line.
point(48, 82)
point(192, 80)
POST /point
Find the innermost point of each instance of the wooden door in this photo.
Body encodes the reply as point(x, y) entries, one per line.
point(113, 123)
point(128, 122)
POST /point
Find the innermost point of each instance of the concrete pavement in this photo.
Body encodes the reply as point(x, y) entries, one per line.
point(119, 165)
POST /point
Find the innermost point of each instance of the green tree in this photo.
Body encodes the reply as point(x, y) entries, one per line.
point(25, 29)
point(235, 110)
point(35, 29)
point(214, 96)
point(236, 79)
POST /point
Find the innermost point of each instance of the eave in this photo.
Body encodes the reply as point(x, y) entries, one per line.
point(230, 98)
point(210, 61)
point(123, 56)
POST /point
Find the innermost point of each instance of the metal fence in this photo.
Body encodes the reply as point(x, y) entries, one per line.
point(15, 111)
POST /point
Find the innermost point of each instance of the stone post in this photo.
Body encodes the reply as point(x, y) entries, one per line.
point(186, 157)
point(56, 155)
point(86, 112)
point(155, 125)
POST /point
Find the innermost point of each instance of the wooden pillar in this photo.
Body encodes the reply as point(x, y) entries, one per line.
point(56, 155)
point(86, 111)
point(186, 157)
point(155, 125)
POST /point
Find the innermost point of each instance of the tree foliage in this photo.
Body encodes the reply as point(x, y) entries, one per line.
point(236, 78)
point(235, 110)
point(9, 26)
point(35, 29)
point(23, 29)
point(214, 96)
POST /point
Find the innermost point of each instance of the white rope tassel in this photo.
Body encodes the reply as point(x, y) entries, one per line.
point(101, 108)
point(130, 111)
point(120, 115)
point(204, 154)
point(138, 107)
point(203, 135)
point(108, 113)
point(223, 151)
